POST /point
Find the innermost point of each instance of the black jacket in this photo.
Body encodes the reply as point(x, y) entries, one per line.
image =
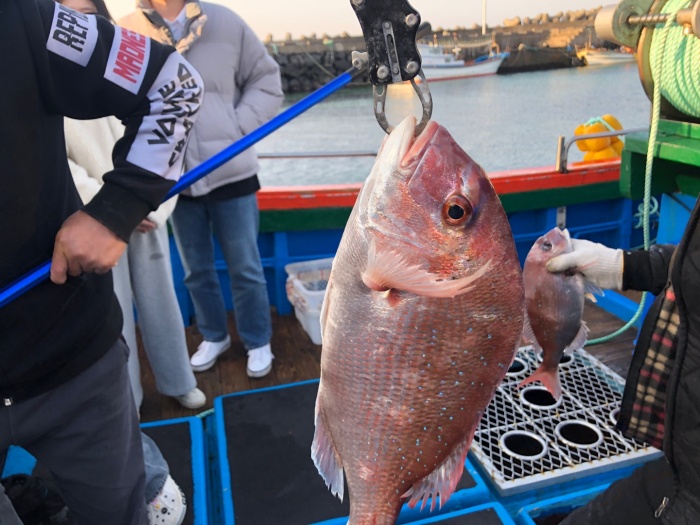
point(650, 271)
point(57, 62)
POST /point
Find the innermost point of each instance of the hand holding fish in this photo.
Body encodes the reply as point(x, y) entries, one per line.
point(599, 264)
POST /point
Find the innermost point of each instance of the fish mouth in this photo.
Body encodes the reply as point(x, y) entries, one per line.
point(415, 147)
point(406, 150)
point(567, 236)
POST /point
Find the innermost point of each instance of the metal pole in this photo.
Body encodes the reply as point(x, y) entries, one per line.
point(483, 17)
point(41, 273)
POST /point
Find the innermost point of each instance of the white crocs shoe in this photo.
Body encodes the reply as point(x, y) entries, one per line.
point(195, 398)
point(207, 353)
point(169, 507)
point(259, 361)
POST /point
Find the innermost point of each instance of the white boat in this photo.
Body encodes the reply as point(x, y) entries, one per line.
point(606, 57)
point(440, 65)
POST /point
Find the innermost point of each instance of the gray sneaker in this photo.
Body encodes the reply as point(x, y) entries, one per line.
point(195, 398)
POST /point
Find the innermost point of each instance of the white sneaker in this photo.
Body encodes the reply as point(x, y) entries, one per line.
point(169, 507)
point(207, 353)
point(259, 361)
point(195, 398)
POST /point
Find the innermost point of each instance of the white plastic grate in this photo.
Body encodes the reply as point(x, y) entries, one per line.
point(577, 432)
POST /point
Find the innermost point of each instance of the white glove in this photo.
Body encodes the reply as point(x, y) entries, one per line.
point(599, 264)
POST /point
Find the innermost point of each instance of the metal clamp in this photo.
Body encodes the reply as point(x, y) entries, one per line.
point(426, 99)
point(390, 29)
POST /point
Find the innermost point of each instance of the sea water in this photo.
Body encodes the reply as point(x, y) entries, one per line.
point(503, 122)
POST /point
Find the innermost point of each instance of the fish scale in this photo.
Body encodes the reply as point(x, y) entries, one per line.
point(411, 355)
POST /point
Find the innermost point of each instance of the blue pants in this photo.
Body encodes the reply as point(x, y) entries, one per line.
point(235, 224)
point(86, 432)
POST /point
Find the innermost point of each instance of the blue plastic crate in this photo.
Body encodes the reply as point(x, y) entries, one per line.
point(275, 449)
point(674, 214)
point(461, 499)
point(486, 514)
point(560, 504)
point(171, 435)
point(19, 461)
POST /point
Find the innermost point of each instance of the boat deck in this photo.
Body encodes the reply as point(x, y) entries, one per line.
point(298, 359)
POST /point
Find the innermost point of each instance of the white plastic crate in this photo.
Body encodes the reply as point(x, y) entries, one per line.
point(306, 288)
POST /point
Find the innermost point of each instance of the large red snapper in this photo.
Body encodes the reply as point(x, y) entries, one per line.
point(421, 320)
point(554, 305)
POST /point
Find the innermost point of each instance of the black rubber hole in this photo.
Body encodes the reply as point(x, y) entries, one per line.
point(578, 433)
point(566, 359)
point(539, 397)
point(523, 445)
point(517, 367)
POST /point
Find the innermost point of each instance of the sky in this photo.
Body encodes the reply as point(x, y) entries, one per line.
point(304, 17)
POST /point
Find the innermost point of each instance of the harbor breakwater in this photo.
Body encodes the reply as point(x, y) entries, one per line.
point(310, 62)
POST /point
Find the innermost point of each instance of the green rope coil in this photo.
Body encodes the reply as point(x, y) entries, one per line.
point(672, 83)
point(680, 85)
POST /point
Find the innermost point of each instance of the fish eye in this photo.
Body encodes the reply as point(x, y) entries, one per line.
point(546, 246)
point(456, 210)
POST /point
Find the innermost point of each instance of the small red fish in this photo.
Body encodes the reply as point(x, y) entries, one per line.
point(554, 305)
point(422, 317)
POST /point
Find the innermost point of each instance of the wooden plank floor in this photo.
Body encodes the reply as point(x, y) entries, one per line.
point(298, 359)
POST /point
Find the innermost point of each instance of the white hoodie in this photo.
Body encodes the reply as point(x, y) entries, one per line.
point(89, 145)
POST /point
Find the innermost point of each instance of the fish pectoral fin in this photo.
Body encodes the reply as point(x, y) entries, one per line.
point(387, 269)
point(325, 305)
point(442, 481)
point(590, 290)
point(579, 341)
point(326, 458)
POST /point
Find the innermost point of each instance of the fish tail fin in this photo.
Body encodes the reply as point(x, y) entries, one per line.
point(441, 482)
point(326, 458)
point(549, 379)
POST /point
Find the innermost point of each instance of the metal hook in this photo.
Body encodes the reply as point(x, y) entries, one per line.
point(422, 90)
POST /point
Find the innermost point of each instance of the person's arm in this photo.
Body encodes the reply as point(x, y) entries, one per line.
point(617, 269)
point(87, 69)
point(259, 79)
point(647, 270)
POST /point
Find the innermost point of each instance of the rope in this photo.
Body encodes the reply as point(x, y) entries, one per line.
point(680, 85)
point(658, 58)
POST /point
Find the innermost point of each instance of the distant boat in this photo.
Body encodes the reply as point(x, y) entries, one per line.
point(606, 57)
point(441, 65)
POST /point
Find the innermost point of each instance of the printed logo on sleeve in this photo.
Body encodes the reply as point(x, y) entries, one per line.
point(128, 59)
point(73, 35)
point(175, 97)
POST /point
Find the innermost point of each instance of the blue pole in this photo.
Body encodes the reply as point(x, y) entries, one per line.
point(41, 273)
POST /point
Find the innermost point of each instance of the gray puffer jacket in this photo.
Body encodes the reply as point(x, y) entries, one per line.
point(242, 84)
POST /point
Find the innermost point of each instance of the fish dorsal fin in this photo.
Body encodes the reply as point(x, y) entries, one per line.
point(442, 481)
point(326, 458)
point(387, 269)
point(579, 341)
point(590, 290)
